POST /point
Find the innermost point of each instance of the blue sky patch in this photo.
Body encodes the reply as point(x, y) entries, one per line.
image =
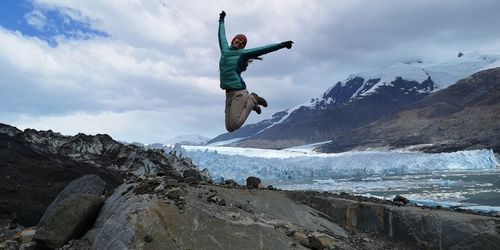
point(43, 23)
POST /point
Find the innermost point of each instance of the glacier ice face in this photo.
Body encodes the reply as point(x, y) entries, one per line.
point(445, 179)
point(281, 165)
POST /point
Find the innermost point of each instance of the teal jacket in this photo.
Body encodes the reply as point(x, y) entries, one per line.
point(233, 61)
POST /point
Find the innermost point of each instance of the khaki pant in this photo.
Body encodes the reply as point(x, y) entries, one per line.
point(239, 104)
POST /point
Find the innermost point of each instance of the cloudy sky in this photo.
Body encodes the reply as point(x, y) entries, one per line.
point(147, 70)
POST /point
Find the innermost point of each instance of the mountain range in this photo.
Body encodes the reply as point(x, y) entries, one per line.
point(465, 115)
point(360, 100)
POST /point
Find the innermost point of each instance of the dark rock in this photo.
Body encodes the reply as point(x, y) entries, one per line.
point(25, 236)
point(217, 200)
point(222, 202)
point(245, 207)
point(160, 188)
point(30, 246)
point(302, 239)
point(83, 244)
point(10, 245)
point(270, 187)
point(231, 183)
point(398, 203)
point(147, 186)
point(88, 184)
point(212, 198)
point(174, 194)
point(320, 242)
point(253, 182)
point(192, 176)
point(68, 220)
point(171, 182)
point(401, 199)
point(128, 189)
point(148, 238)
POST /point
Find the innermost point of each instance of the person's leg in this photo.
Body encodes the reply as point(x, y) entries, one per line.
point(260, 100)
point(239, 104)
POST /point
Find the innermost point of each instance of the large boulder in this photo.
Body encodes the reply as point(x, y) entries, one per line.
point(253, 182)
point(88, 184)
point(155, 221)
point(192, 176)
point(69, 220)
point(71, 211)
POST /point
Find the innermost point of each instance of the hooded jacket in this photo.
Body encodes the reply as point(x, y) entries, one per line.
point(233, 61)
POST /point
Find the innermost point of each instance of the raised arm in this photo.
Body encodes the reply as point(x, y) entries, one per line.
point(222, 32)
point(255, 52)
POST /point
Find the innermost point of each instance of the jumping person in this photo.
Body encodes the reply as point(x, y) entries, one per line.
point(234, 59)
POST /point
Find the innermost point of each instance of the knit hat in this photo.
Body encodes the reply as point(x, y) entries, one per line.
point(240, 40)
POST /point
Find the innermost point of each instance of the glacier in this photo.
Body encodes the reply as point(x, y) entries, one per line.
point(282, 165)
point(464, 179)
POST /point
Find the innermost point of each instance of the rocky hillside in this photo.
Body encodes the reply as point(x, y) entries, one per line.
point(463, 116)
point(361, 99)
point(36, 165)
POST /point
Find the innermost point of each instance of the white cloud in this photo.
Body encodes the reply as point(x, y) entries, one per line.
point(156, 75)
point(36, 19)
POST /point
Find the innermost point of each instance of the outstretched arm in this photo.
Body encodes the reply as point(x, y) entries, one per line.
point(255, 52)
point(222, 32)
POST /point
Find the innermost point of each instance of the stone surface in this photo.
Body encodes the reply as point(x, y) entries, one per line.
point(88, 184)
point(408, 225)
point(68, 220)
point(401, 199)
point(78, 245)
point(25, 236)
point(126, 220)
point(192, 176)
point(253, 182)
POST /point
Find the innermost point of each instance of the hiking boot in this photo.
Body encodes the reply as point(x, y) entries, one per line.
point(257, 109)
point(260, 100)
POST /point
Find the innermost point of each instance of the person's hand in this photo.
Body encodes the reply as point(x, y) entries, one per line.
point(222, 15)
point(287, 44)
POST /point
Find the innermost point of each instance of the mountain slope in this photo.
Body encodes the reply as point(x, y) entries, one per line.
point(361, 99)
point(36, 165)
point(463, 116)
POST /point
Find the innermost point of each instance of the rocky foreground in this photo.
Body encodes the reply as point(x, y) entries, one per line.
point(91, 192)
point(165, 213)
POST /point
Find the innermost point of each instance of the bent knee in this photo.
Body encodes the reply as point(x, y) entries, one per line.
point(233, 126)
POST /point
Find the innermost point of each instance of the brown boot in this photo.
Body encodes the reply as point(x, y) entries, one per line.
point(260, 100)
point(257, 109)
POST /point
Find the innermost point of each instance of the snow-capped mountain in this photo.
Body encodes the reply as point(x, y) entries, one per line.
point(463, 116)
point(362, 98)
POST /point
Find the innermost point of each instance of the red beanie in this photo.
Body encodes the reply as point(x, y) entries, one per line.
point(242, 37)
